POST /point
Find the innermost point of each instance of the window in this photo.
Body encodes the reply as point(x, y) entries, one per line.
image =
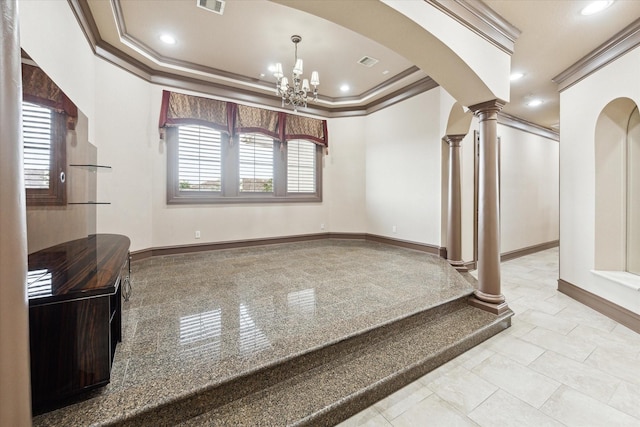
point(205, 166)
point(301, 167)
point(199, 153)
point(256, 163)
point(44, 139)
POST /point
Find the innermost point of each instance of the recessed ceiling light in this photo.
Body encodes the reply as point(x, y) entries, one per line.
point(534, 102)
point(344, 88)
point(596, 6)
point(262, 74)
point(272, 68)
point(516, 76)
point(168, 39)
point(385, 72)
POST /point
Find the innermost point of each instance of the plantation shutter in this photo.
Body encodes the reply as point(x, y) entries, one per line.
point(199, 153)
point(256, 163)
point(301, 166)
point(38, 151)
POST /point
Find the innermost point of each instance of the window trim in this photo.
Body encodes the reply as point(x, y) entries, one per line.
point(56, 194)
point(230, 193)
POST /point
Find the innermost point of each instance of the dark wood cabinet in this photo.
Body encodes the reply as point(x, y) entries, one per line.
point(75, 321)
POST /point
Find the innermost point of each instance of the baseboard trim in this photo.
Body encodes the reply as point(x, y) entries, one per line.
point(620, 314)
point(185, 249)
point(506, 256)
point(422, 247)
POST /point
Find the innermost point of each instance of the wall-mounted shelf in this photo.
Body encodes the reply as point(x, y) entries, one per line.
point(89, 203)
point(92, 167)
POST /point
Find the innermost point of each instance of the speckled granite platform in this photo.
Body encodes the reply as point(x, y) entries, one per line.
point(206, 332)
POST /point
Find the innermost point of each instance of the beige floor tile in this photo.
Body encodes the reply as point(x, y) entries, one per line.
point(576, 348)
point(588, 317)
point(432, 411)
point(395, 404)
point(588, 380)
point(577, 409)
point(519, 328)
point(370, 417)
point(608, 341)
point(547, 321)
point(521, 351)
point(616, 364)
point(504, 410)
point(627, 399)
point(472, 358)
point(462, 389)
point(522, 382)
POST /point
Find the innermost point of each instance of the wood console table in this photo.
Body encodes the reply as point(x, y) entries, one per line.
point(75, 321)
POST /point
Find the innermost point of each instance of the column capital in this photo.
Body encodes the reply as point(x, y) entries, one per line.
point(492, 106)
point(454, 140)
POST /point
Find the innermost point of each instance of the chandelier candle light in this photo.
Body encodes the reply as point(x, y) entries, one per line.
point(295, 93)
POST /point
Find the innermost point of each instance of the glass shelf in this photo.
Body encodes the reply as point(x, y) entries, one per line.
point(89, 203)
point(91, 167)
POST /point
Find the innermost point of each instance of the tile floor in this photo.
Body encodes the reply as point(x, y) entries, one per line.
point(560, 364)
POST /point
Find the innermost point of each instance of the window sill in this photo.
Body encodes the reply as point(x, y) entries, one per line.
point(207, 200)
point(623, 278)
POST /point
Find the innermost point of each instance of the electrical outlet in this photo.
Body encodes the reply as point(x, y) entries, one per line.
point(394, 229)
point(321, 226)
point(197, 234)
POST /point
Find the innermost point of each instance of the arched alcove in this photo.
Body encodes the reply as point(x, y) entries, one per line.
point(633, 193)
point(616, 209)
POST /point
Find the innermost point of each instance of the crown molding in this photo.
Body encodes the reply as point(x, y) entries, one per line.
point(609, 51)
point(482, 20)
point(526, 126)
point(258, 92)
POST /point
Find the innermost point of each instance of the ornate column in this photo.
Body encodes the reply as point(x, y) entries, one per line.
point(15, 399)
point(454, 213)
point(488, 296)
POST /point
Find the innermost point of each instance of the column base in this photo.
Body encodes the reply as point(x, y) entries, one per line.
point(458, 265)
point(493, 308)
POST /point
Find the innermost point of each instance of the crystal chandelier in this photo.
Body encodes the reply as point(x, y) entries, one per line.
point(296, 92)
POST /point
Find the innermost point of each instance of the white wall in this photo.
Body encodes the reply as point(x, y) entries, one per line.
point(580, 106)
point(345, 186)
point(403, 170)
point(125, 142)
point(529, 187)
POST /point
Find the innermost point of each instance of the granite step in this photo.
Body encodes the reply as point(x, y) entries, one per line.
point(328, 384)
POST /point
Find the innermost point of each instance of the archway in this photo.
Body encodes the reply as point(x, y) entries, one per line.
point(467, 66)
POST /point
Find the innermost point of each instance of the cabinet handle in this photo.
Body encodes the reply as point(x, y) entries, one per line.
point(63, 177)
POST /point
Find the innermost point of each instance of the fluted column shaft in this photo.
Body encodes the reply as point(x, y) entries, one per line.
point(454, 213)
point(489, 295)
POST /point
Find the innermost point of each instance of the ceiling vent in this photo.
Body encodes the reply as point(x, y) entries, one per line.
point(216, 6)
point(368, 61)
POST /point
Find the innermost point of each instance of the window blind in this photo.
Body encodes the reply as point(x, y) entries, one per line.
point(37, 140)
point(301, 166)
point(199, 152)
point(256, 163)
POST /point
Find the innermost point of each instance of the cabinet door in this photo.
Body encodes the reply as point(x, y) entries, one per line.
point(70, 348)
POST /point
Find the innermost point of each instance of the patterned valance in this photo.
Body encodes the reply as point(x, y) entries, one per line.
point(178, 109)
point(232, 118)
point(38, 88)
point(299, 127)
point(253, 119)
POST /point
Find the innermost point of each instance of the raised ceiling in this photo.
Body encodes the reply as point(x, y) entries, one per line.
point(236, 48)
